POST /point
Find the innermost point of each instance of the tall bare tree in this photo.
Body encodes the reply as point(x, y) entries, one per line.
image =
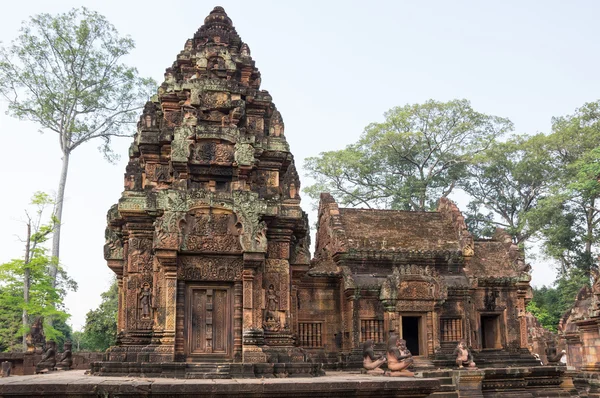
point(64, 72)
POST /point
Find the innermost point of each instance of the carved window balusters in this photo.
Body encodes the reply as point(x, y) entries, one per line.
point(371, 329)
point(310, 334)
point(451, 329)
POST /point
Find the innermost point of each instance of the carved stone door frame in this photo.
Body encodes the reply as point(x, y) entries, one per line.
point(209, 319)
point(423, 330)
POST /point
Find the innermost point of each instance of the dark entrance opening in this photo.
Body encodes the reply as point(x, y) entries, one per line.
point(490, 331)
point(410, 333)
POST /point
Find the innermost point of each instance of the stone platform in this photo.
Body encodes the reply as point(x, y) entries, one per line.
point(76, 383)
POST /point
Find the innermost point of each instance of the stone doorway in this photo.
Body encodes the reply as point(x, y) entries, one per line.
point(209, 319)
point(490, 332)
point(411, 332)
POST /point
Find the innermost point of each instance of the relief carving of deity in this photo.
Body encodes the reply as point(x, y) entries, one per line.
point(145, 298)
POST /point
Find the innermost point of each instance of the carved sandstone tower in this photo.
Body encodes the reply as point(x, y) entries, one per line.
point(209, 223)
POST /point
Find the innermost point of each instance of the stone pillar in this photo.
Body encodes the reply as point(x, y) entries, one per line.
point(167, 260)
point(276, 285)
point(252, 333)
point(468, 382)
point(120, 298)
point(247, 293)
point(139, 277)
point(237, 320)
point(590, 337)
point(430, 333)
point(523, 288)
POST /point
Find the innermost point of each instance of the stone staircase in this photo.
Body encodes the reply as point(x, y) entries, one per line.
point(208, 371)
point(447, 389)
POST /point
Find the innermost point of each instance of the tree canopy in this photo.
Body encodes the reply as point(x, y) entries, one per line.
point(543, 186)
point(65, 73)
point(100, 330)
point(508, 180)
point(28, 289)
point(410, 160)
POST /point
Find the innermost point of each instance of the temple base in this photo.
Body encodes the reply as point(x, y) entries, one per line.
point(207, 370)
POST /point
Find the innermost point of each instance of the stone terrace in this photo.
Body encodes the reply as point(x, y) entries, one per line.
point(336, 384)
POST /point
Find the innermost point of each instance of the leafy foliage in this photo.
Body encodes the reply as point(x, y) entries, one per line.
point(417, 155)
point(100, 330)
point(550, 303)
point(569, 218)
point(508, 180)
point(64, 72)
point(28, 290)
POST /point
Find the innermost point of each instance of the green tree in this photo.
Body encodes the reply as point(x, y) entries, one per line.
point(569, 217)
point(65, 73)
point(417, 155)
point(100, 330)
point(10, 321)
point(27, 287)
point(550, 303)
point(506, 182)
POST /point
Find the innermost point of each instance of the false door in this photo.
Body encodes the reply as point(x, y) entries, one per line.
point(209, 311)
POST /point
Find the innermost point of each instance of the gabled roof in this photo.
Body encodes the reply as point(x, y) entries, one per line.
point(391, 230)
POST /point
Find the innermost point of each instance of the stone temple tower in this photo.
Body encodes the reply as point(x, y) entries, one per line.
point(209, 225)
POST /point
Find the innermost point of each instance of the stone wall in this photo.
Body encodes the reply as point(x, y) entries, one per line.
point(24, 363)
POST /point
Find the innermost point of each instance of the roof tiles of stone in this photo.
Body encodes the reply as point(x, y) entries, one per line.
point(388, 230)
point(491, 259)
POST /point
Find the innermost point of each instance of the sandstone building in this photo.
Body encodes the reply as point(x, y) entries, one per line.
point(211, 247)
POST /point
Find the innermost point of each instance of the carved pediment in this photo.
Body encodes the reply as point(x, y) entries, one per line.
point(411, 283)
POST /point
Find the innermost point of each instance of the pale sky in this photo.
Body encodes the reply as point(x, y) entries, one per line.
point(332, 67)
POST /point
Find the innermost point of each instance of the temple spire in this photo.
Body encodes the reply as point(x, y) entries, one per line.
point(217, 30)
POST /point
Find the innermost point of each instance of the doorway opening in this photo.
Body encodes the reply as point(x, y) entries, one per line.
point(411, 333)
point(490, 331)
point(209, 318)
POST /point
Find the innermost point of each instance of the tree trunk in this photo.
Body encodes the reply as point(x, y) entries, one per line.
point(589, 237)
point(26, 283)
point(60, 196)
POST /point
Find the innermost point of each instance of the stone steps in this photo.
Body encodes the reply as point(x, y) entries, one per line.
point(447, 388)
point(207, 371)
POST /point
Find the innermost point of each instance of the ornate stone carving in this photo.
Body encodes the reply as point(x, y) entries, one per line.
point(489, 299)
point(244, 154)
point(207, 232)
point(48, 361)
point(167, 233)
point(158, 172)
point(249, 208)
point(199, 268)
point(113, 248)
point(412, 282)
point(276, 125)
point(145, 297)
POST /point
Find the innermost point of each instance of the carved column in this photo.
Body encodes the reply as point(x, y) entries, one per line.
point(521, 312)
point(247, 282)
point(120, 317)
point(252, 333)
point(168, 263)
point(237, 320)
point(276, 284)
point(139, 317)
